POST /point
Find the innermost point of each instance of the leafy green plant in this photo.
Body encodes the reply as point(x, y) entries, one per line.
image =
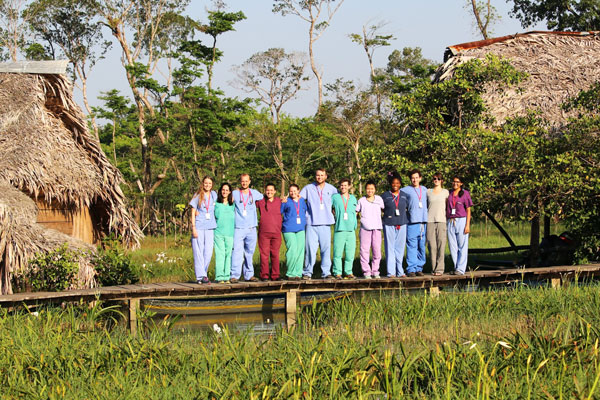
point(113, 266)
point(52, 271)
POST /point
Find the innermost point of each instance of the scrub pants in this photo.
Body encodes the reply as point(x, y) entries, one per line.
point(223, 247)
point(268, 245)
point(458, 243)
point(370, 240)
point(344, 244)
point(244, 244)
point(295, 242)
point(202, 248)
point(415, 247)
point(318, 236)
point(395, 240)
point(436, 239)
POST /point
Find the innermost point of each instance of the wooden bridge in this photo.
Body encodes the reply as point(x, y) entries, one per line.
point(132, 294)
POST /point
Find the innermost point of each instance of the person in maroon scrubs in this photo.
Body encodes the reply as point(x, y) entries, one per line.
point(269, 233)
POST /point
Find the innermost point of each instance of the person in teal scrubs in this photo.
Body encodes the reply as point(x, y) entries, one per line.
point(225, 216)
point(344, 235)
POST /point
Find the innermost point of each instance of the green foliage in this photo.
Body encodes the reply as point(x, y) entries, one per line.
point(52, 271)
point(113, 267)
point(509, 344)
point(560, 15)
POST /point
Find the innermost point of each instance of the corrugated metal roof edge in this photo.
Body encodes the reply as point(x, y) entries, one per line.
point(457, 48)
point(35, 67)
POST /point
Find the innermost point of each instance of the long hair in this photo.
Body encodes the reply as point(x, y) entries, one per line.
point(202, 184)
point(220, 195)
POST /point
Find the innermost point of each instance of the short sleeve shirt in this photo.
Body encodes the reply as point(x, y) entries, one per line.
point(318, 214)
point(225, 216)
point(292, 210)
point(370, 213)
point(436, 204)
point(345, 212)
point(460, 204)
point(390, 216)
point(246, 202)
point(204, 207)
point(270, 215)
point(417, 203)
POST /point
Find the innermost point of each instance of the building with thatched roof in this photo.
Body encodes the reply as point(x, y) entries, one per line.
point(56, 184)
point(559, 64)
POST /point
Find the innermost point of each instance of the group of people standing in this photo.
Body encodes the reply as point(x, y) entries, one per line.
point(409, 217)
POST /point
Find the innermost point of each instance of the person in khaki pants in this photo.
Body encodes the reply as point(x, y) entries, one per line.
point(436, 224)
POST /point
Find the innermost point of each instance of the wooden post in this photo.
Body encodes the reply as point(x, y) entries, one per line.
point(132, 315)
point(291, 303)
point(434, 291)
point(555, 283)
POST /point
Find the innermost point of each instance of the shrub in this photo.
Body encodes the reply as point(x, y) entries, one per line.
point(52, 271)
point(113, 267)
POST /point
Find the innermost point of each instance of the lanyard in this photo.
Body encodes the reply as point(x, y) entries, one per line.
point(207, 202)
point(297, 207)
point(320, 193)
point(396, 199)
point(453, 200)
point(420, 193)
point(247, 198)
point(345, 203)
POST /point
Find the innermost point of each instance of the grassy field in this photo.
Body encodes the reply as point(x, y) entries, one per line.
point(167, 259)
point(518, 344)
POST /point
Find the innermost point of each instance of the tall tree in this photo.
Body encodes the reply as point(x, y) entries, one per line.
point(71, 29)
point(485, 14)
point(275, 77)
point(219, 22)
point(318, 14)
point(144, 30)
point(12, 30)
point(371, 39)
point(560, 15)
point(353, 114)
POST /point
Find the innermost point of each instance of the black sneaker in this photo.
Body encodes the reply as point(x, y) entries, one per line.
point(419, 273)
point(204, 281)
point(412, 274)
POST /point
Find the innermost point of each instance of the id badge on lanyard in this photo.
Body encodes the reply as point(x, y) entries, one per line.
point(207, 215)
point(298, 221)
point(346, 215)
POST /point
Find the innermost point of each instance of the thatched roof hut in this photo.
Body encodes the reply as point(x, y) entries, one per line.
point(56, 184)
point(559, 64)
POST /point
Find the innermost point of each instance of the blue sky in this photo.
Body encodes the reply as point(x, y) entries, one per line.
point(430, 24)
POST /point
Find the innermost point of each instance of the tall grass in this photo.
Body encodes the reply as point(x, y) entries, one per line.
point(524, 343)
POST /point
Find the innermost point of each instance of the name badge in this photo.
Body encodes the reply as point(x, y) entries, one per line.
point(453, 211)
point(298, 221)
point(420, 204)
point(321, 206)
point(345, 215)
point(207, 215)
point(244, 213)
point(397, 212)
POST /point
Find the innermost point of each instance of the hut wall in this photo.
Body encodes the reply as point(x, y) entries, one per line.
point(77, 224)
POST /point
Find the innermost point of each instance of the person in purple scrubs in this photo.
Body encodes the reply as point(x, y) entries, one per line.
point(458, 216)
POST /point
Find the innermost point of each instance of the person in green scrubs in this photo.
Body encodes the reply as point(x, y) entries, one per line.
point(344, 236)
point(225, 217)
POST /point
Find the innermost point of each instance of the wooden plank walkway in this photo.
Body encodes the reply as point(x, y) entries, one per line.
point(291, 289)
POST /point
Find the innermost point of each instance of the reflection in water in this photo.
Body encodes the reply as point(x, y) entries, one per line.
point(257, 314)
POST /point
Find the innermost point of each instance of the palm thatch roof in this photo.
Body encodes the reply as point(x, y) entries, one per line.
point(46, 151)
point(559, 64)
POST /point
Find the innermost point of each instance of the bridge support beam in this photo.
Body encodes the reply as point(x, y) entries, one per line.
point(291, 307)
point(132, 308)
